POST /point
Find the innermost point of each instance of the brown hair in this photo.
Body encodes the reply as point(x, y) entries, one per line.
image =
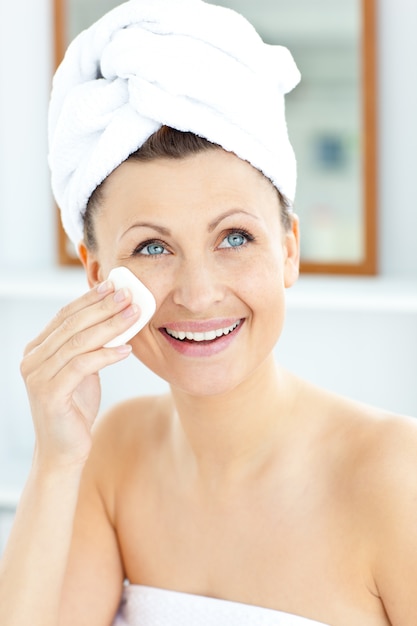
point(167, 143)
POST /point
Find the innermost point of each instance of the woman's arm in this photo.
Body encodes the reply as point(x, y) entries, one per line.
point(394, 527)
point(60, 371)
point(34, 561)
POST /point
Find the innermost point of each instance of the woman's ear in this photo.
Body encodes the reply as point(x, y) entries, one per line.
point(91, 265)
point(292, 253)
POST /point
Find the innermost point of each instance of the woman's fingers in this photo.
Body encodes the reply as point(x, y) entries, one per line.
point(91, 327)
point(55, 393)
point(86, 364)
point(84, 328)
point(90, 298)
point(74, 349)
point(80, 345)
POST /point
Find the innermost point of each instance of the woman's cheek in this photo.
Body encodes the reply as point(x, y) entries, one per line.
point(157, 277)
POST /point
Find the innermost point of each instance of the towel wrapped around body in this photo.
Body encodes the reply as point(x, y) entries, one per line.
point(150, 606)
point(186, 64)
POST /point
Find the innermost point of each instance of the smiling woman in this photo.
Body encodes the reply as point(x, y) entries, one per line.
point(244, 494)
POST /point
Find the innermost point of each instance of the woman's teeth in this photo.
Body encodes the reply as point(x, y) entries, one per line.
point(206, 336)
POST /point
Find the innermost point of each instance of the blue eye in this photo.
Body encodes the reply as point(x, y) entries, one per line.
point(235, 239)
point(151, 249)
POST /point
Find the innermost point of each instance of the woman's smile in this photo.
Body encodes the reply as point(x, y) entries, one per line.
point(202, 335)
point(202, 339)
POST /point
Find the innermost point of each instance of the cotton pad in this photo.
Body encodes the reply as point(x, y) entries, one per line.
point(122, 277)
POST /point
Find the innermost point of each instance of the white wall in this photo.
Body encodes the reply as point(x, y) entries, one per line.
point(367, 349)
point(26, 217)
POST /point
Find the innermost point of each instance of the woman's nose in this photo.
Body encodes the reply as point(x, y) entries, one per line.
point(198, 286)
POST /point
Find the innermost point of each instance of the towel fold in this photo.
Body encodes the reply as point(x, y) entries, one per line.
point(182, 63)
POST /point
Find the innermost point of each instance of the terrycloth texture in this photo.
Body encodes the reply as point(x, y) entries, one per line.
point(181, 63)
point(148, 606)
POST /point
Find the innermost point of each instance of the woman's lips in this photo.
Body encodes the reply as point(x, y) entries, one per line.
point(202, 338)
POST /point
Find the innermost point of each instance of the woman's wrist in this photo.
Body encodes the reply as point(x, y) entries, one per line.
point(57, 466)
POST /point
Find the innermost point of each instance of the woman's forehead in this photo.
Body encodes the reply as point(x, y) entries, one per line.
point(204, 175)
point(201, 189)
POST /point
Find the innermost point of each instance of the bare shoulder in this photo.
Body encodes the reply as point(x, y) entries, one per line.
point(125, 436)
point(381, 447)
point(376, 448)
point(364, 438)
point(133, 422)
point(387, 483)
point(377, 471)
point(384, 465)
point(371, 452)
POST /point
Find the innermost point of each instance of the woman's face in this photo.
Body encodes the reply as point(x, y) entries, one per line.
point(204, 234)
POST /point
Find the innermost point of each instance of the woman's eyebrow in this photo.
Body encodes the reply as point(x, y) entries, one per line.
point(166, 231)
point(221, 217)
point(161, 229)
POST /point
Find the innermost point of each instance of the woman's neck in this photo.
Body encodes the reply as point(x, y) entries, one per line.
point(227, 437)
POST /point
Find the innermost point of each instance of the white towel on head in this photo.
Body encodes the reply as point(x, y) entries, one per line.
point(181, 63)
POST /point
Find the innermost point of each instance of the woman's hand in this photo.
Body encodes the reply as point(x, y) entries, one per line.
point(60, 368)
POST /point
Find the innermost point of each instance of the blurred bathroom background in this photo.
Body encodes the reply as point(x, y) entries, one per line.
point(354, 335)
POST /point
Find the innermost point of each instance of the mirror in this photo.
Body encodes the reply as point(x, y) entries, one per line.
point(331, 118)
